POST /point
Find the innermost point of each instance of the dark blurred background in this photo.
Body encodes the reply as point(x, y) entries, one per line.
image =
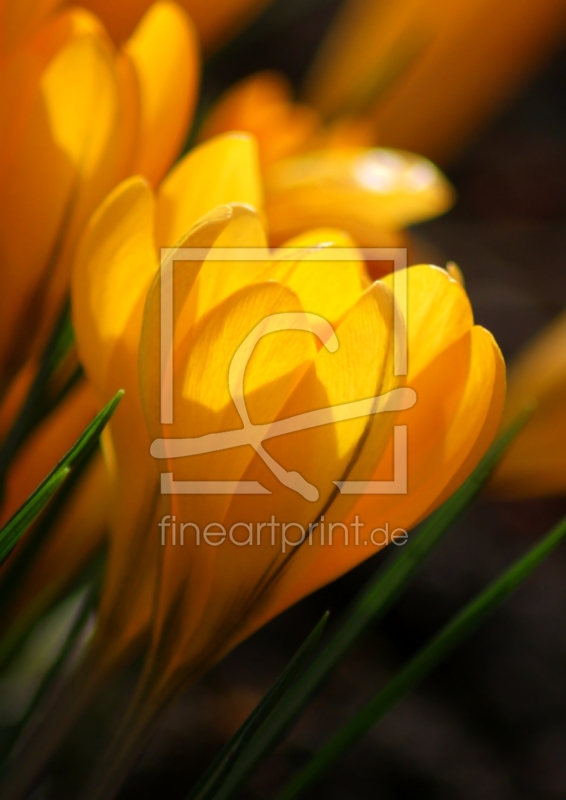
point(490, 724)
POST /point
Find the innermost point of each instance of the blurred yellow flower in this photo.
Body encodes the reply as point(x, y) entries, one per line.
point(76, 117)
point(262, 104)
point(535, 464)
point(211, 597)
point(429, 73)
point(317, 174)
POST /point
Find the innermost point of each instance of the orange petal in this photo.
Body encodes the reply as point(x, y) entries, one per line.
point(534, 464)
point(163, 52)
point(65, 152)
point(262, 105)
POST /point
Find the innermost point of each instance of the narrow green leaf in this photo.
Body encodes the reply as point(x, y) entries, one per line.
point(12, 579)
point(371, 605)
point(89, 436)
point(36, 502)
point(417, 669)
point(221, 766)
point(63, 341)
point(34, 505)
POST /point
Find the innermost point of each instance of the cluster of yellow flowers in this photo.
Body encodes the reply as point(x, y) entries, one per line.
point(96, 103)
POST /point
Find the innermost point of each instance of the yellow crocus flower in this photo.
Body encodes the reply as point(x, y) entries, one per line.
point(210, 598)
point(535, 462)
point(191, 603)
point(429, 73)
point(319, 175)
point(77, 116)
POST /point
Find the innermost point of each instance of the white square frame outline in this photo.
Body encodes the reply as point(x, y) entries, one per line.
point(397, 255)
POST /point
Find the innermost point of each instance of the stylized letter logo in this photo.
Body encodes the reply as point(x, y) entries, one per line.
point(255, 435)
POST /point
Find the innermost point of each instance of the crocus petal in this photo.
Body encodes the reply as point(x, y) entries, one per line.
point(164, 55)
point(21, 71)
point(490, 427)
point(219, 279)
point(115, 264)
point(185, 311)
point(220, 171)
point(324, 286)
point(363, 191)
point(432, 295)
point(64, 155)
point(534, 464)
point(262, 105)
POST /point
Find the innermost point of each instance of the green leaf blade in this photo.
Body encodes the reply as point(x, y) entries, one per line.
point(28, 513)
point(19, 523)
point(420, 667)
point(213, 778)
